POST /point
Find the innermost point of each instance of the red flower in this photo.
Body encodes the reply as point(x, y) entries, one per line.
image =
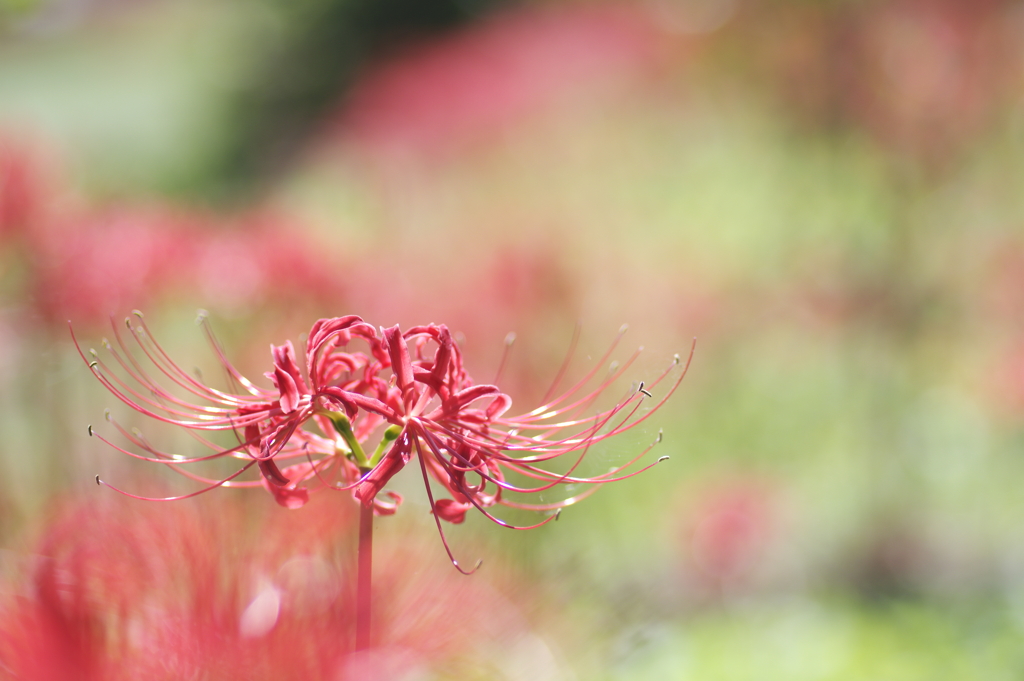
point(112, 591)
point(411, 390)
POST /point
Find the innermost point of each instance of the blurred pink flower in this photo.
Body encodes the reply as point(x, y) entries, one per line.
point(727, 529)
point(441, 94)
point(22, 187)
point(116, 592)
point(84, 264)
point(410, 389)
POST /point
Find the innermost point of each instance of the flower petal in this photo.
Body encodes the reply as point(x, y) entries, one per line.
point(398, 351)
point(286, 376)
point(387, 507)
point(374, 482)
point(451, 511)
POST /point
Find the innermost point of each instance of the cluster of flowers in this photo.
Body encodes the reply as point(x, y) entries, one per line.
point(213, 590)
point(121, 256)
point(470, 85)
point(71, 259)
point(409, 389)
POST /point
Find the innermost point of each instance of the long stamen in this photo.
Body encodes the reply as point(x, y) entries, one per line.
point(220, 483)
point(162, 361)
point(437, 520)
point(204, 322)
point(565, 364)
point(509, 340)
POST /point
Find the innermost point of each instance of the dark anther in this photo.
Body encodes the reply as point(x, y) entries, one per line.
point(664, 458)
point(641, 389)
point(90, 430)
point(93, 364)
point(98, 480)
point(558, 514)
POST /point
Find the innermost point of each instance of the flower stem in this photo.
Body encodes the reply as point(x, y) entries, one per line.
point(364, 577)
point(344, 428)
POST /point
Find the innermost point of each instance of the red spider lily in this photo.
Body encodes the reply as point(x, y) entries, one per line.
point(468, 85)
point(86, 262)
point(121, 592)
point(410, 387)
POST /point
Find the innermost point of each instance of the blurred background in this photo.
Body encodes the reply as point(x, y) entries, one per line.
point(825, 193)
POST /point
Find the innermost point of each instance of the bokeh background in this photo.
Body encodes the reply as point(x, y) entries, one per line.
point(824, 193)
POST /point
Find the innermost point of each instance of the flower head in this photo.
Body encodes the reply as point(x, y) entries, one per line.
point(408, 391)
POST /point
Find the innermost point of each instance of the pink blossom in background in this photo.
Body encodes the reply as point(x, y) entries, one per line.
point(125, 591)
point(32, 190)
point(476, 82)
point(76, 261)
point(263, 258)
point(726, 530)
point(22, 186)
point(87, 265)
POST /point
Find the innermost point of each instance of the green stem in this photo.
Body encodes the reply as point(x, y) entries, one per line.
point(344, 428)
point(390, 435)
